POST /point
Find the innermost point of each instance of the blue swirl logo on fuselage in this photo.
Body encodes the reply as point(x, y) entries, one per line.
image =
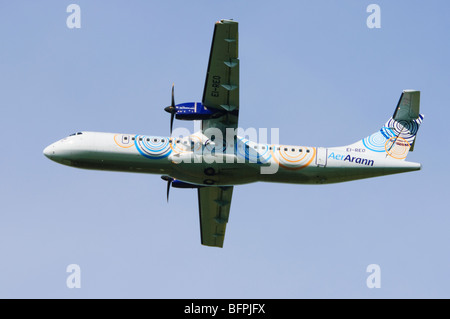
point(152, 146)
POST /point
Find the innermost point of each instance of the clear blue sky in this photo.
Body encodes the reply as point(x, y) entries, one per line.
point(311, 68)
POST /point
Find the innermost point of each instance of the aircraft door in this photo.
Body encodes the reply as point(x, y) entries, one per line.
point(125, 139)
point(321, 156)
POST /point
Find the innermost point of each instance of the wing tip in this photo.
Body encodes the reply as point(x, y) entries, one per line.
point(224, 21)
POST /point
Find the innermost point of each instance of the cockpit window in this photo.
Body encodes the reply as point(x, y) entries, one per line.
point(78, 133)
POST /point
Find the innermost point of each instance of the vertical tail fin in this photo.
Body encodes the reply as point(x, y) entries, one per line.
point(407, 114)
point(396, 138)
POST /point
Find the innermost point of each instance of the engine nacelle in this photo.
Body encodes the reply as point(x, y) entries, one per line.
point(195, 111)
point(179, 184)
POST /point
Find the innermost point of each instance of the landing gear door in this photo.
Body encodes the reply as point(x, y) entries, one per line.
point(321, 156)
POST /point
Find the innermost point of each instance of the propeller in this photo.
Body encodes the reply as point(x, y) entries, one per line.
point(169, 183)
point(171, 109)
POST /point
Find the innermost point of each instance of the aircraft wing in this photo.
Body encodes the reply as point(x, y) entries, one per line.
point(214, 208)
point(221, 90)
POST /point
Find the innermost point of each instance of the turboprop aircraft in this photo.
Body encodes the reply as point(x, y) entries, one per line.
point(215, 158)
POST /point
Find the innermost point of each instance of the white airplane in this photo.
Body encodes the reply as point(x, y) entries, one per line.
point(215, 158)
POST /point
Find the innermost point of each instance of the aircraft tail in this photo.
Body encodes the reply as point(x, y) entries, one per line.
point(397, 137)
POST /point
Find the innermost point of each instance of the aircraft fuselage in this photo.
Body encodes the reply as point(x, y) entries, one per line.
point(196, 160)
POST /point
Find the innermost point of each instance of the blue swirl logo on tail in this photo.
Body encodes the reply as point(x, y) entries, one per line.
point(400, 134)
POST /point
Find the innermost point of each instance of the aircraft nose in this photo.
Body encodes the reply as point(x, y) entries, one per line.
point(60, 152)
point(49, 151)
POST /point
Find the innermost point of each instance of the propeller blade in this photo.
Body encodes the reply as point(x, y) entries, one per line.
point(172, 108)
point(169, 183)
point(172, 116)
point(173, 95)
point(168, 188)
